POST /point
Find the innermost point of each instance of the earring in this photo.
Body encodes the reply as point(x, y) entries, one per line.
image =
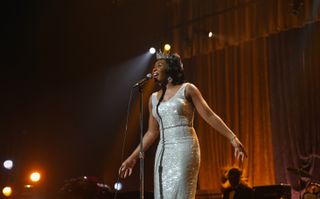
point(170, 79)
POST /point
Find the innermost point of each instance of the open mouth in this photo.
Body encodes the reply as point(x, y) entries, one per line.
point(155, 75)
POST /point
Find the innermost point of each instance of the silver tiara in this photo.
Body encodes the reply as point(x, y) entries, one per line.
point(163, 55)
point(167, 55)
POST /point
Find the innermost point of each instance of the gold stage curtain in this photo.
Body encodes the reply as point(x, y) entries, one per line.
point(234, 81)
point(234, 22)
point(232, 72)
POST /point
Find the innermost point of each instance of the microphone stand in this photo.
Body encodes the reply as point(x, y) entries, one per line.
point(141, 154)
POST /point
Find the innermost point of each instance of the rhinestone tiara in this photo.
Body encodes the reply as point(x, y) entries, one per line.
point(163, 55)
point(167, 55)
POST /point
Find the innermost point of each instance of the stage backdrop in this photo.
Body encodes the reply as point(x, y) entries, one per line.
point(260, 73)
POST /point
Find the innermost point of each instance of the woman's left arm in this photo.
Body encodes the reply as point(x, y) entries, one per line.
point(193, 94)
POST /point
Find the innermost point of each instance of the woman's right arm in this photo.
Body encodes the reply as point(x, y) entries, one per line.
point(148, 139)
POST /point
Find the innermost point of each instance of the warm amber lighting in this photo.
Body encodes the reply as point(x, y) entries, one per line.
point(28, 186)
point(35, 177)
point(167, 47)
point(7, 191)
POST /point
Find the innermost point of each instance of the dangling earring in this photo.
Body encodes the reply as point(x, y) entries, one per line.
point(170, 79)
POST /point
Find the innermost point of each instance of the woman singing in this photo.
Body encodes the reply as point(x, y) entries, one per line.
point(171, 113)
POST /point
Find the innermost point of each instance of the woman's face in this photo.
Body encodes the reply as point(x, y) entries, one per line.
point(159, 71)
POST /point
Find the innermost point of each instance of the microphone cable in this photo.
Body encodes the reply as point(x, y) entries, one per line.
point(117, 188)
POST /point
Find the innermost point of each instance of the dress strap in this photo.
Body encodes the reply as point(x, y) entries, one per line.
point(182, 90)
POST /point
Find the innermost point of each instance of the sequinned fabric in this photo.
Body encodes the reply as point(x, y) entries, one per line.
point(177, 159)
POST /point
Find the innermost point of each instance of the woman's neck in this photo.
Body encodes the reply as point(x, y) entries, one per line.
point(170, 85)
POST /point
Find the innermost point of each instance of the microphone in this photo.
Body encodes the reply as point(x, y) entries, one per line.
point(143, 80)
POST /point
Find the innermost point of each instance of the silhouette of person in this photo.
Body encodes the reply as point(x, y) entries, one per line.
point(237, 188)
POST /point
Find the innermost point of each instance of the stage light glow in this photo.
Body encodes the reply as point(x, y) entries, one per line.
point(35, 176)
point(28, 186)
point(167, 47)
point(152, 50)
point(7, 191)
point(210, 34)
point(118, 186)
point(8, 164)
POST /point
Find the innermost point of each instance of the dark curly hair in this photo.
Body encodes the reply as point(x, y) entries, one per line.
point(175, 69)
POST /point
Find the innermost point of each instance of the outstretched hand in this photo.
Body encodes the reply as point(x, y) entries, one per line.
point(126, 168)
point(239, 151)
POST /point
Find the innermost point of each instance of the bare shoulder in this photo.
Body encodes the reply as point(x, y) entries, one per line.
point(190, 86)
point(155, 96)
point(191, 92)
point(158, 94)
point(191, 89)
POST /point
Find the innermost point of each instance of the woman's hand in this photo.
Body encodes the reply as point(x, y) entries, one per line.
point(239, 151)
point(127, 167)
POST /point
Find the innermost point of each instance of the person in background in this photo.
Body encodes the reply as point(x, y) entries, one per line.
point(235, 187)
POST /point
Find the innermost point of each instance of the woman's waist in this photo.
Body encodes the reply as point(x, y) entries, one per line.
point(178, 133)
point(175, 121)
point(171, 127)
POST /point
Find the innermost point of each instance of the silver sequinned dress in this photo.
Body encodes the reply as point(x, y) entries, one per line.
point(177, 159)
